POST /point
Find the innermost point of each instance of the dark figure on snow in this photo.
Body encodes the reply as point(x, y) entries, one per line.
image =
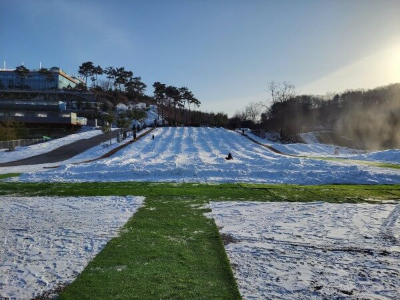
point(229, 157)
point(243, 131)
point(153, 137)
point(134, 135)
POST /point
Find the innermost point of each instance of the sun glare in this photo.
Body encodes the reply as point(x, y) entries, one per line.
point(395, 63)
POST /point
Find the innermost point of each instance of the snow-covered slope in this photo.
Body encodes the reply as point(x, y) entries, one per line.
point(152, 115)
point(311, 149)
point(315, 149)
point(389, 156)
point(198, 155)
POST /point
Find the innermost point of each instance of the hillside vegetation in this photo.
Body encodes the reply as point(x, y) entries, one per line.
point(366, 119)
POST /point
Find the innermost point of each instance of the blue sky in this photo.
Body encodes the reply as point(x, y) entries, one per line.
point(226, 52)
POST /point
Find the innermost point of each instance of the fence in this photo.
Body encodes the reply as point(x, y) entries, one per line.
point(15, 143)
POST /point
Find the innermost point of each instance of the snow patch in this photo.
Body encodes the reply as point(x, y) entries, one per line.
point(47, 241)
point(312, 250)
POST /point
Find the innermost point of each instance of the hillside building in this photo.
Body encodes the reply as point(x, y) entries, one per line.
point(45, 99)
point(35, 80)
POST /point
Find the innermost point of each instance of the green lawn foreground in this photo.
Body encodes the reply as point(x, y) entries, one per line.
point(169, 249)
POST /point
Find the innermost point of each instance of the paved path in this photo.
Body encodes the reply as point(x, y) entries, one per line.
point(62, 153)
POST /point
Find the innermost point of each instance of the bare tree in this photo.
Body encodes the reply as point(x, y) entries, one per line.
point(281, 92)
point(252, 112)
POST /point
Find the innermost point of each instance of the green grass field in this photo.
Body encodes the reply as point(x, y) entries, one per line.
point(8, 175)
point(169, 249)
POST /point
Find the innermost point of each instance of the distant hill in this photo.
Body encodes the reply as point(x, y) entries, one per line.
point(367, 119)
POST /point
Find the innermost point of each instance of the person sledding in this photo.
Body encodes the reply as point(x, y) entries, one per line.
point(229, 157)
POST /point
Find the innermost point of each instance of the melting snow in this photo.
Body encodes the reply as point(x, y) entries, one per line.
point(45, 241)
point(312, 250)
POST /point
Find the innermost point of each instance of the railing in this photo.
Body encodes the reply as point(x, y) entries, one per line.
point(16, 143)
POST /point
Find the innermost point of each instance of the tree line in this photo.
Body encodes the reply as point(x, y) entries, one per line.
point(176, 105)
point(368, 119)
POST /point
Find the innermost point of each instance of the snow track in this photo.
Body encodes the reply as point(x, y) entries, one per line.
point(187, 154)
point(388, 224)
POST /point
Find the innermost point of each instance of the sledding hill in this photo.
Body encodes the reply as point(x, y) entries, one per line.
point(198, 155)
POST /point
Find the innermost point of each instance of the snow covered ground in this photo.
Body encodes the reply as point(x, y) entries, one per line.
point(315, 149)
point(187, 154)
point(45, 241)
point(152, 115)
point(309, 137)
point(311, 149)
point(29, 151)
point(389, 156)
point(312, 250)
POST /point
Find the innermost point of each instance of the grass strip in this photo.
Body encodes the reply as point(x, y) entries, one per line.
point(8, 175)
point(215, 192)
point(169, 249)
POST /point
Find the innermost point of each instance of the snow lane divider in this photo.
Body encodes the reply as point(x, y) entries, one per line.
point(108, 154)
point(115, 150)
point(269, 147)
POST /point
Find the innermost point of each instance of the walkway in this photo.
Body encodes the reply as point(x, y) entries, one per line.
point(62, 153)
